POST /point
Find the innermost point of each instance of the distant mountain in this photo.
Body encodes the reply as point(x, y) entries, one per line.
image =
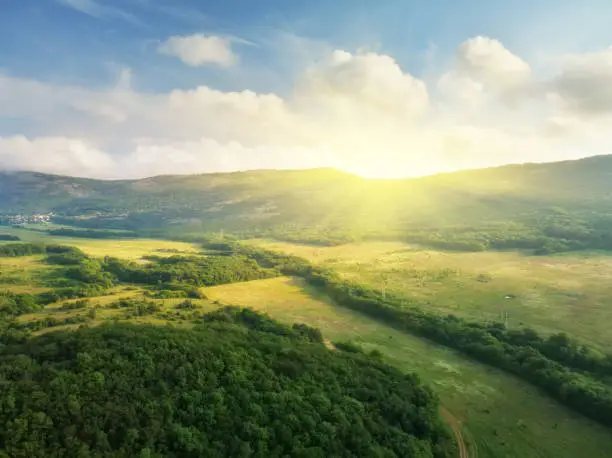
point(325, 200)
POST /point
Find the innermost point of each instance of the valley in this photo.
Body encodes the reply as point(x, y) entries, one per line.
point(532, 424)
point(323, 229)
point(497, 298)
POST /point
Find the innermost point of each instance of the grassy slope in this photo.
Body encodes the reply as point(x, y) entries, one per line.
point(23, 275)
point(568, 293)
point(504, 416)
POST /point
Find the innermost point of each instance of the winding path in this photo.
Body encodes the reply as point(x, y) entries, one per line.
point(456, 427)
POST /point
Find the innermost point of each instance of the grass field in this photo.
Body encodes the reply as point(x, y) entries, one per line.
point(120, 248)
point(504, 417)
point(569, 293)
point(23, 275)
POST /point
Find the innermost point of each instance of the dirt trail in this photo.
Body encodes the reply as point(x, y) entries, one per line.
point(456, 427)
point(329, 344)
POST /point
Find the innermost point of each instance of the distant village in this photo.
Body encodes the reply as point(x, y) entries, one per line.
point(35, 218)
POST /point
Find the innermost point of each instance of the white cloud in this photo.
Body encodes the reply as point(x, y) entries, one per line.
point(585, 83)
point(358, 111)
point(488, 61)
point(198, 50)
point(365, 81)
point(57, 155)
point(461, 88)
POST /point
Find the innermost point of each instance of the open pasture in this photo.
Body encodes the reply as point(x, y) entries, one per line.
point(560, 293)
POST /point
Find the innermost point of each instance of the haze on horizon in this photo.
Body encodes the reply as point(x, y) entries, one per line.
point(135, 88)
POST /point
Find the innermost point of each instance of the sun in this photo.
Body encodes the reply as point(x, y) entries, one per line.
point(376, 166)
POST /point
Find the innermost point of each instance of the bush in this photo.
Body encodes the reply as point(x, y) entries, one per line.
point(80, 304)
point(349, 347)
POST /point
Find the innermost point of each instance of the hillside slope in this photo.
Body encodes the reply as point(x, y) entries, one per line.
point(539, 197)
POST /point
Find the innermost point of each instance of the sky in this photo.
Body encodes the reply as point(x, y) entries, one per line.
point(395, 88)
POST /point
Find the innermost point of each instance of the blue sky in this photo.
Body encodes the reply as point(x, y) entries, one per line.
point(89, 44)
point(50, 40)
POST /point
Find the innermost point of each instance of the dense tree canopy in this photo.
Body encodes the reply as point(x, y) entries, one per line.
point(236, 385)
point(9, 238)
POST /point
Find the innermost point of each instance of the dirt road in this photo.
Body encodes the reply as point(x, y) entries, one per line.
point(456, 427)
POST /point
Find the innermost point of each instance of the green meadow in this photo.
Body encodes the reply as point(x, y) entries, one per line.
point(557, 293)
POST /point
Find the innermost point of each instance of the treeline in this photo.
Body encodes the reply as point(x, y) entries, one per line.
point(551, 235)
point(238, 384)
point(548, 363)
point(9, 238)
point(176, 272)
point(557, 347)
point(262, 322)
point(30, 249)
point(12, 250)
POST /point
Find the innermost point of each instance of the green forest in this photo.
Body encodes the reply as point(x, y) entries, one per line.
point(237, 384)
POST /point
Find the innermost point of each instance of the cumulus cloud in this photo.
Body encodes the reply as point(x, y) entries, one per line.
point(368, 80)
point(486, 61)
point(358, 111)
point(199, 50)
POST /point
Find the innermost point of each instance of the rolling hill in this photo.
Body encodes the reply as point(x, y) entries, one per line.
point(553, 206)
